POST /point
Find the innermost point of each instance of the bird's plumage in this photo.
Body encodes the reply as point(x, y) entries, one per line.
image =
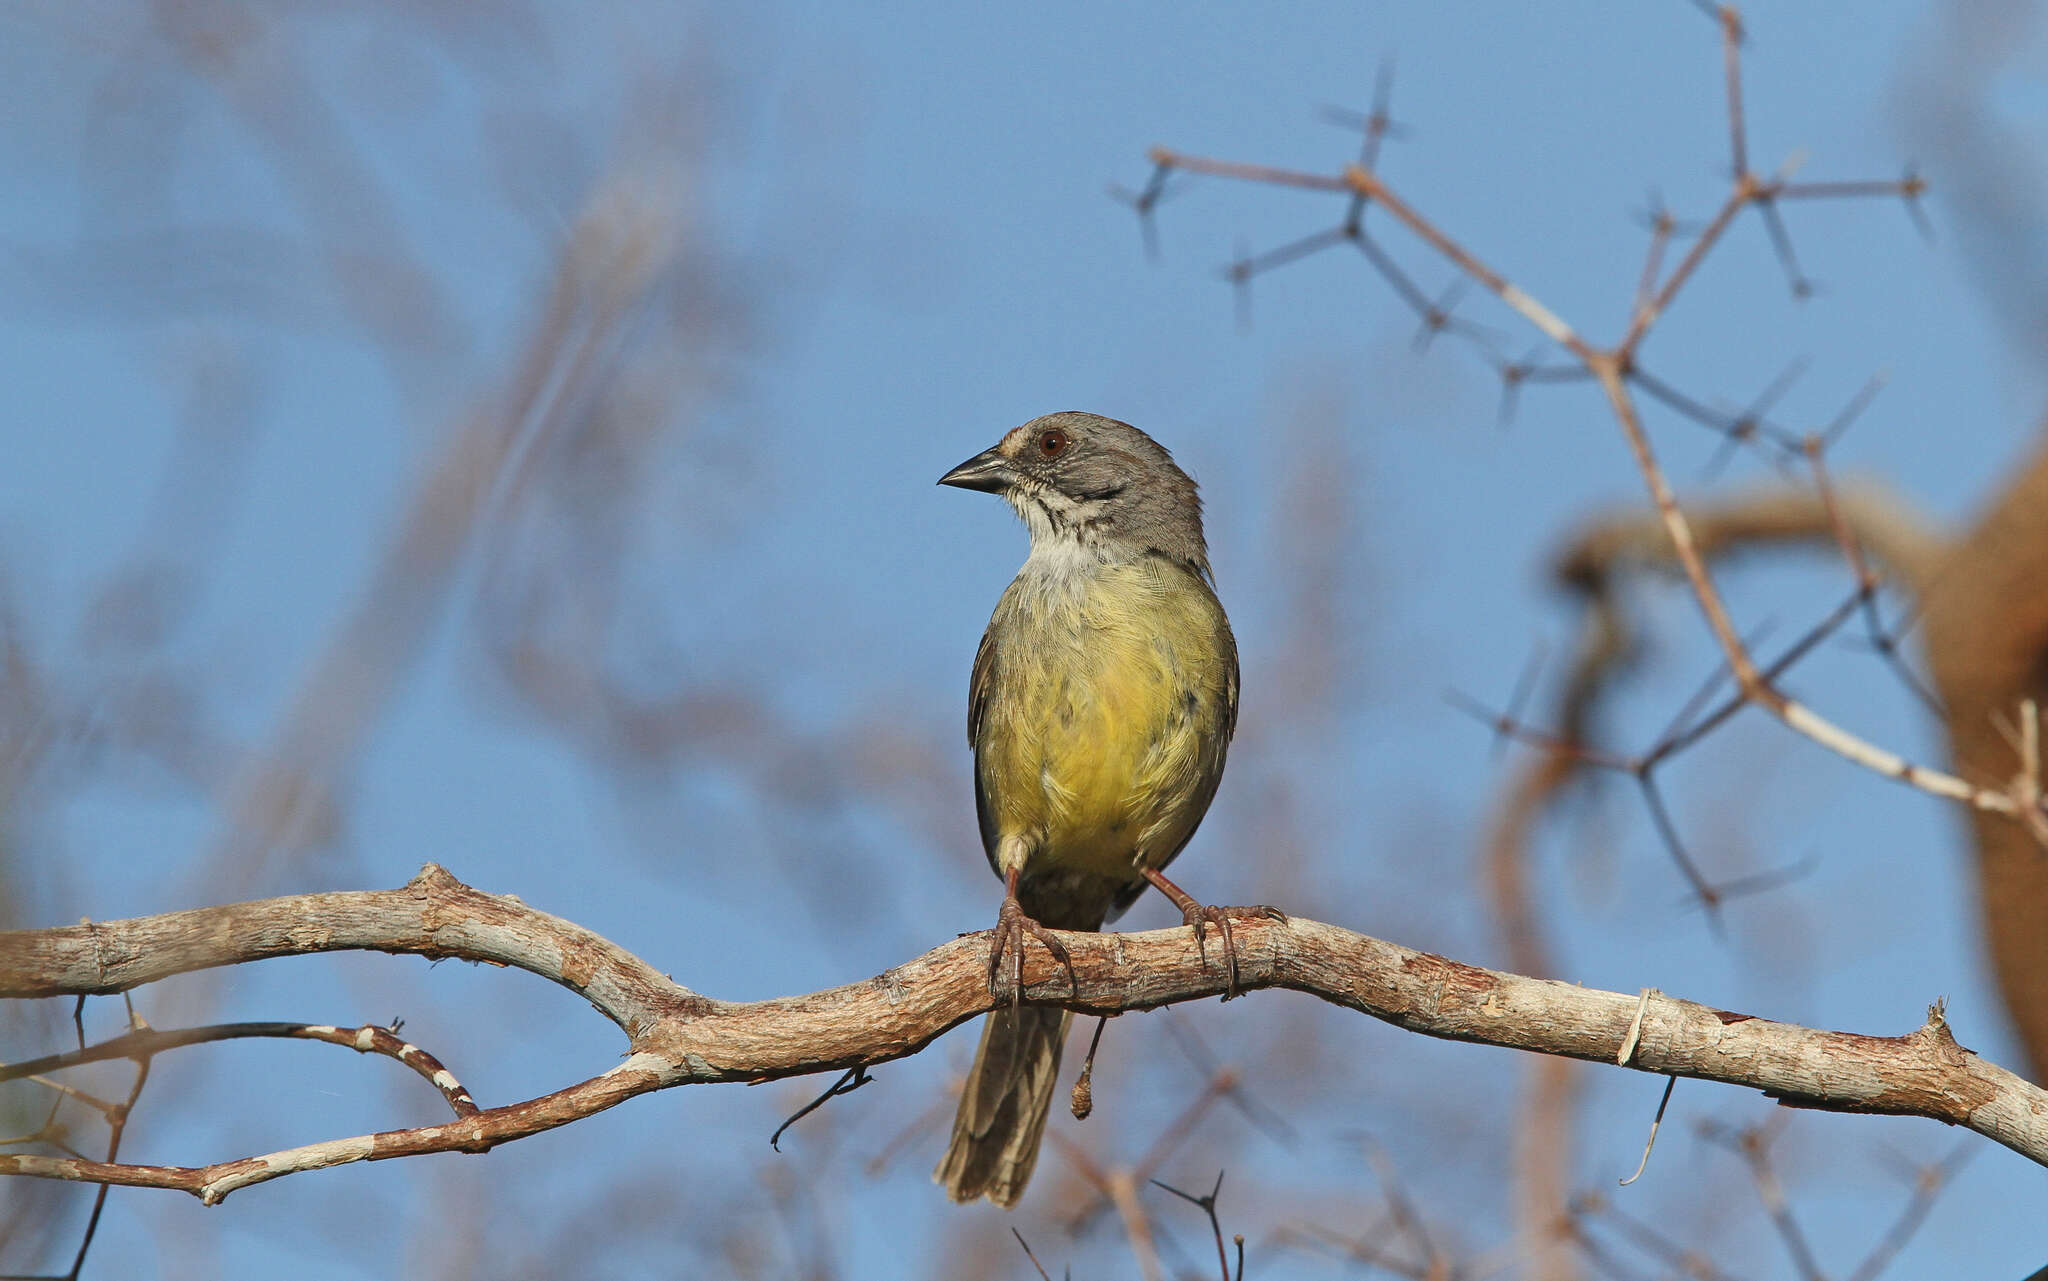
point(1116, 691)
point(1100, 710)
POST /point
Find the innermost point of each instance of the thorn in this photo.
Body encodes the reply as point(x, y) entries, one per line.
point(1857, 404)
point(1239, 274)
point(1911, 188)
point(1747, 425)
point(1656, 217)
point(1377, 125)
point(1437, 317)
point(1525, 685)
point(1781, 241)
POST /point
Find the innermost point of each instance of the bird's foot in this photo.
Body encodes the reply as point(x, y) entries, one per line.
point(1200, 917)
point(1012, 926)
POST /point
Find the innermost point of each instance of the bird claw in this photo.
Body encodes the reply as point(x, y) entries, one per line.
point(1008, 936)
point(1199, 918)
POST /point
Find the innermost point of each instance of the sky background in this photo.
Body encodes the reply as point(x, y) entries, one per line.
point(912, 202)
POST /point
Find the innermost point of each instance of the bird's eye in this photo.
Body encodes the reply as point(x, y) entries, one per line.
point(1052, 443)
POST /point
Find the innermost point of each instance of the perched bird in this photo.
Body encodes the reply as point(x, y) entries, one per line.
point(1102, 703)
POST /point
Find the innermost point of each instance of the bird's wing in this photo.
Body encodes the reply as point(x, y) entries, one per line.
point(979, 687)
point(978, 684)
point(1230, 690)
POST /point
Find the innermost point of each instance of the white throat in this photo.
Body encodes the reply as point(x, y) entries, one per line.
point(1064, 551)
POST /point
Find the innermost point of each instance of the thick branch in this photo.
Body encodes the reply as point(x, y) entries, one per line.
point(681, 1038)
point(1880, 521)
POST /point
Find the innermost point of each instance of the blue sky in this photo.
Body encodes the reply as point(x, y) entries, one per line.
point(912, 201)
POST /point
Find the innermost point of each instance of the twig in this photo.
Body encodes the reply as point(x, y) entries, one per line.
point(1207, 1204)
point(855, 1077)
point(1753, 1146)
point(145, 1043)
point(1656, 1121)
point(1043, 1274)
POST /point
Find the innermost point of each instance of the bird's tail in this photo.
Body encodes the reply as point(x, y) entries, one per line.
point(1003, 1109)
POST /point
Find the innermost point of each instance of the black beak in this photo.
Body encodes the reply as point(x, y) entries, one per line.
point(988, 471)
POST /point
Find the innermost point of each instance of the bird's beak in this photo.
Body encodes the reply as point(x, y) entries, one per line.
point(988, 471)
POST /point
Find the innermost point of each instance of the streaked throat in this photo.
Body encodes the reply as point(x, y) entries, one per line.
point(1067, 543)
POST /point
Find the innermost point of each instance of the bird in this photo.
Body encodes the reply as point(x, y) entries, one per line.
point(1101, 707)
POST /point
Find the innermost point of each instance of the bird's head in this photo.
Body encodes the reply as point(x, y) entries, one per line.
point(1093, 481)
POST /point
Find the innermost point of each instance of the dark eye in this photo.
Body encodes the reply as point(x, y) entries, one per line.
point(1052, 443)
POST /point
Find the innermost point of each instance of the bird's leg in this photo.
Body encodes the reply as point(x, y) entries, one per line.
point(1200, 918)
point(1011, 927)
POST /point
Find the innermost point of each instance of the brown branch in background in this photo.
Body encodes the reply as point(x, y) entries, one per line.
point(1986, 628)
point(385, 288)
point(1927, 1182)
point(1987, 631)
point(1402, 1215)
point(1986, 621)
point(678, 1037)
point(1436, 317)
point(1862, 522)
point(1544, 1151)
point(1115, 1188)
point(1365, 1248)
point(1753, 1145)
point(1596, 563)
point(1875, 520)
point(615, 326)
point(1602, 1230)
point(1613, 367)
point(1597, 1209)
point(284, 798)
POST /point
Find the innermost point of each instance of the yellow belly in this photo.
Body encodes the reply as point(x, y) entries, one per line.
point(1105, 719)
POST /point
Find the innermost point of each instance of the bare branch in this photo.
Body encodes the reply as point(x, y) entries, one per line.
point(145, 1042)
point(1614, 367)
point(679, 1038)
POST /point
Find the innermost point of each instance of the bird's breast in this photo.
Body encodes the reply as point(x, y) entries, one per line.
point(1108, 715)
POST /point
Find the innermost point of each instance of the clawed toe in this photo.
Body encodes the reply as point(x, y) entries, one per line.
point(1199, 918)
point(1012, 926)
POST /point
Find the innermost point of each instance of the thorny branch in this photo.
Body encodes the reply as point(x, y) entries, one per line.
point(678, 1037)
point(1616, 369)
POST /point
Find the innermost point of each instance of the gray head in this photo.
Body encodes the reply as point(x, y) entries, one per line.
point(1088, 481)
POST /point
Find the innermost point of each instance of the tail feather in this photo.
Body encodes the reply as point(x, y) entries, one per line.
point(1003, 1109)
